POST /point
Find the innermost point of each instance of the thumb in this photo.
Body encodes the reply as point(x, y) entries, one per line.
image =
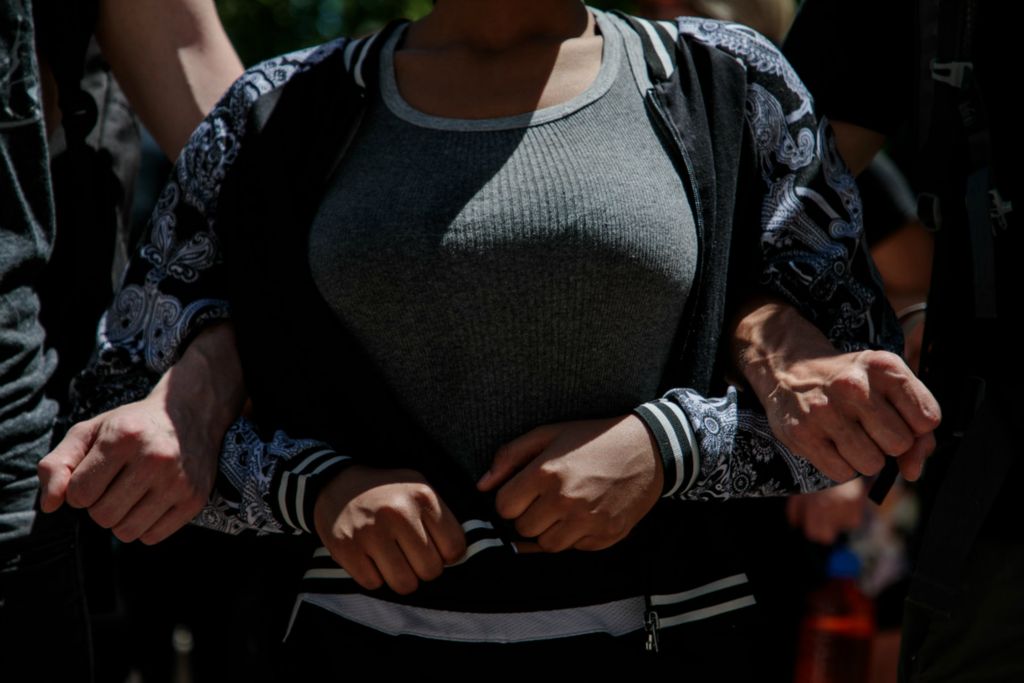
point(515, 455)
point(912, 462)
point(56, 468)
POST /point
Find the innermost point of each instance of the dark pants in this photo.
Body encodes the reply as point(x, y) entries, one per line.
point(982, 639)
point(325, 647)
point(44, 628)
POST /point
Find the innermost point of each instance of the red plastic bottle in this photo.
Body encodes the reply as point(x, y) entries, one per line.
point(836, 634)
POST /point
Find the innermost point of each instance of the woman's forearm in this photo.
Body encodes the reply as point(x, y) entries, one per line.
point(173, 60)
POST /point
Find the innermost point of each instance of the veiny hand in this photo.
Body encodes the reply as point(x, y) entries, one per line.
point(845, 412)
point(581, 485)
point(823, 515)
point(387, 526)
point(146, 469)
point(129, 468)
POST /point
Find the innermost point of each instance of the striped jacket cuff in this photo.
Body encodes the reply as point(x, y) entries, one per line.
point(672, 432)
point(294, 493)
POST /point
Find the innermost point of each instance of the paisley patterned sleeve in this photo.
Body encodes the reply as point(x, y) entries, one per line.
point(174, 287)
point(812, 255)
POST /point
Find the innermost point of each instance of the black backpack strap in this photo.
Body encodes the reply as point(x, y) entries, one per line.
point(947, 49)
point(65, 30)
point(77, 283)
point(976, 446)
point(977, 471)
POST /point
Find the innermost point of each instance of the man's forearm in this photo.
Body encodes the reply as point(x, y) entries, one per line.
point(770, 335)
point(146, 468)
point(205, 389)
point(842, 411)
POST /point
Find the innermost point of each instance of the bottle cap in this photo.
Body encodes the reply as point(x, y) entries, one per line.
point(843, 563)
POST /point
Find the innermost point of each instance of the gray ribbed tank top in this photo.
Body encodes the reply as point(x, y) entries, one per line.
point(507, 273)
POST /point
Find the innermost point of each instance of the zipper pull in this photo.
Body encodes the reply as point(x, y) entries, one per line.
point(651, 625)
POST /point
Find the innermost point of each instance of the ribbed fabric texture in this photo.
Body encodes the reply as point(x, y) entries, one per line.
point(26, 236)
point(512, 272)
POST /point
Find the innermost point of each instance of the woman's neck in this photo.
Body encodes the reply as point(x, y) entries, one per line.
point(493, 58)
point(493, 26)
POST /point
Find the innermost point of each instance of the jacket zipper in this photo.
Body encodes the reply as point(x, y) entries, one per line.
point(669, 131)
point(677, 149)
point(652, 624)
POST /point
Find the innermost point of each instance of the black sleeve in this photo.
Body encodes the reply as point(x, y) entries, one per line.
point(857, 57)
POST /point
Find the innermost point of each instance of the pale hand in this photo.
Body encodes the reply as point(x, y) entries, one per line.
point(147, 468)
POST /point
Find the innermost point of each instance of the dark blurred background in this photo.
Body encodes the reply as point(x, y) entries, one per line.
point(264, 28)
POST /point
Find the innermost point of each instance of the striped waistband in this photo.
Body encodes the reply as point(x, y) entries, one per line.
point(328, 586)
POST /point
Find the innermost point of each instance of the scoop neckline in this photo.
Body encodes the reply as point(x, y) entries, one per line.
point(611, 59)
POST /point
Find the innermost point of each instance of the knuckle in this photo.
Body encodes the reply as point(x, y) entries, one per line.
point(46, 468)
point(853, 386)
point(163, 456)
point(522, 528)
point(835, 469)
point(454, 551)
point(548, 473)
point(150, 538)
point(503, 506)
point(125, 427)
point(342, 546)
point(883, 362)
point(900, 443)
point(431, 571)
point(844, 473)
point(872, 466)
point(370, 583)
point(79, 429)
point(404, 585)
point(79, 494)
point(103, 517)
point(549, 545)
point(423, 497)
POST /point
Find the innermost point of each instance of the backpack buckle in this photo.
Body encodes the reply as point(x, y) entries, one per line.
point(951, 73)
point(998, 209)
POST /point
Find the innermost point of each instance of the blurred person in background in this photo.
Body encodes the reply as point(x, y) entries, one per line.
point(942, 71)
point(174, 60)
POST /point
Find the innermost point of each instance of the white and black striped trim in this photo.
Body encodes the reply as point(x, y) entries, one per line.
point(659, 41)
point(355, 57)
point(615, 617)
point(703, 602)
point(298, 486)
point(673, 433)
